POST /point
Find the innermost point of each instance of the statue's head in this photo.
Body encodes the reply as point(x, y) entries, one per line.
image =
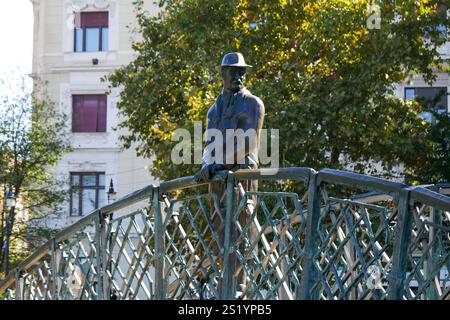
point(233, 69)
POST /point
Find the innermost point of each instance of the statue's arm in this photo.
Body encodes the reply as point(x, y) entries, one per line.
point(209, 167)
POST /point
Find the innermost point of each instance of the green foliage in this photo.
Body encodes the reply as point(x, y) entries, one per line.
point(435, 165)
point(33, 137)
point(325, 78)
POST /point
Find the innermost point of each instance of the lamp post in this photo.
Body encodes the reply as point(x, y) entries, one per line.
point(10, 203)
point(111, 192)
point(111, 198)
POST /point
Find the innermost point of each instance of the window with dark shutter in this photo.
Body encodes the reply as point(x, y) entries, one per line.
point(89, 113)
point(435, 98)
point(91, 32)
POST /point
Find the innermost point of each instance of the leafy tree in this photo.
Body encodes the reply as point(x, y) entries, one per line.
point(327, 80)
point(435, 165)
point(437, 168)
point(32, 139)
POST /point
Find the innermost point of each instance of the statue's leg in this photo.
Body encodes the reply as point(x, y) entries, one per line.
point(217, 192)
point(251, 235)
point(218, 213)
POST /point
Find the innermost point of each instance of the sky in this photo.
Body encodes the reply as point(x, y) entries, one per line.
point(16, 36)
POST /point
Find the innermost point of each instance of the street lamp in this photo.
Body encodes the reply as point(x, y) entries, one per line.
point(10, 201)
point(111, 192)
point(111, 198)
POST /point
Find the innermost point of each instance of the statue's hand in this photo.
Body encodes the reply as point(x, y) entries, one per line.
point(203, 175)
point(206, 172)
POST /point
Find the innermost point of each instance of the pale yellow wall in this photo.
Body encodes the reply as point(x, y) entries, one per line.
point(53, 47)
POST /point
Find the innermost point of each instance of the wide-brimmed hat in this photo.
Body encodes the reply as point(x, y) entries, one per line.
point(234, 59)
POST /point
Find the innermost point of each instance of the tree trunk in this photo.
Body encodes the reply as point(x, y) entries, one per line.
point(335, 153)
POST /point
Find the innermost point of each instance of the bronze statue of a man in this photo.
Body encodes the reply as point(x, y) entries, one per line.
point(240, 113)
point(235, 108)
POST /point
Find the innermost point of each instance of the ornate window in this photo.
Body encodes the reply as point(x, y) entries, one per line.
point(87, 192)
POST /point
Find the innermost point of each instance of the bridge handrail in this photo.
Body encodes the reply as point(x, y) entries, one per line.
point(431, 198)
point(340, 177)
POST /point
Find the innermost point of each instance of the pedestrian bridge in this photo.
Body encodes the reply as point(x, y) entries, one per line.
point(319, 235)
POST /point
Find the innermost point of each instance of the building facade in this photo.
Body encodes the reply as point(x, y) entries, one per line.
point(76, 43)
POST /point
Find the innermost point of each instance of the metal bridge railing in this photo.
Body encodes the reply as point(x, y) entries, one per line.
point(185, 243)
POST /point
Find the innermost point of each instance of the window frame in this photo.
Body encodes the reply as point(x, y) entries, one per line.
point(80, 189)
point(100, 28)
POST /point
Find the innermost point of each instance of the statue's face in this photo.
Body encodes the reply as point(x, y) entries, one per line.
point(233, 78)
